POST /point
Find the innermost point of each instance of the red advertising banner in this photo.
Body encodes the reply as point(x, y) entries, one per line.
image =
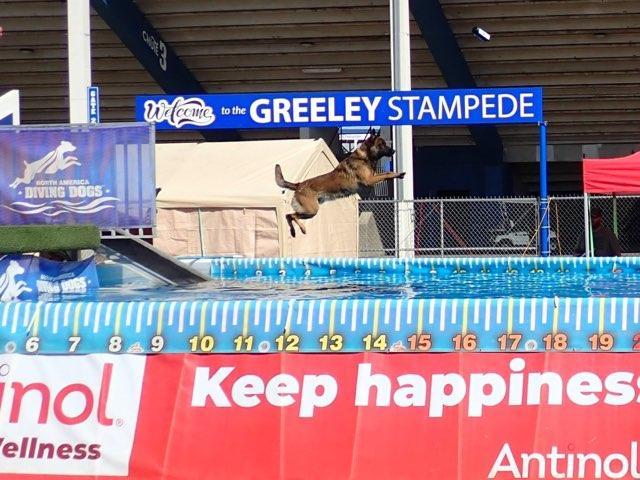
point(321, 416)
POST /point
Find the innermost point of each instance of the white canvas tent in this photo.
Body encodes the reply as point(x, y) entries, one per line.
point(222, 199)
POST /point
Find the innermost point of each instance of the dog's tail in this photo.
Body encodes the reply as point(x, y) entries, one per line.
point(282, 182)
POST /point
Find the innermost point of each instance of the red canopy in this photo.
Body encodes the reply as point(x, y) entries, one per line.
point(612, 175)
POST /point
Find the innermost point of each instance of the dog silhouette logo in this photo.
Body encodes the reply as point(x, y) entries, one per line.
point(54, 161)
point(10, 288)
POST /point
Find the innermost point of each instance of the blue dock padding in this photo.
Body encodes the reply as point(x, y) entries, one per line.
point(377, 324)
point(226, 267)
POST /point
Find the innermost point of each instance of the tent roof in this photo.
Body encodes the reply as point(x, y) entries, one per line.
point(218, 174)
point(612, 175)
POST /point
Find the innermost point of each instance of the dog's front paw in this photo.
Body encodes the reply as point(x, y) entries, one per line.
point(401, 175)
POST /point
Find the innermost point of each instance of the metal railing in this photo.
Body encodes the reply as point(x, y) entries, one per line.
point(141, 233)
point(490, 226)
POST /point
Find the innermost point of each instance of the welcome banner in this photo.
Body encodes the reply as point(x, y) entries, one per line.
point(347, 108)
point(320, 416)
point(102, 175)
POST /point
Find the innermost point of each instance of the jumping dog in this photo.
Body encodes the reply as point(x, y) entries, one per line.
point(355, 171)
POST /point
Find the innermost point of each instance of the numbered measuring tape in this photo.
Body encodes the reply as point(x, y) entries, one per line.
point(396, 325)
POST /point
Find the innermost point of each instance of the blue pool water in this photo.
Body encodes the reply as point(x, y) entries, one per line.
point(256, 279)
point(362, 286)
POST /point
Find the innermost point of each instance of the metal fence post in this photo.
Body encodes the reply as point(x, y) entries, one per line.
point(587, 245)
point(442, 228)
point(538, 209)
point(201, 233)
point(396, 228)
point(544, 201)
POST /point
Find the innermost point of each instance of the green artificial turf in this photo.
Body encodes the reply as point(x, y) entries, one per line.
point(37, 238)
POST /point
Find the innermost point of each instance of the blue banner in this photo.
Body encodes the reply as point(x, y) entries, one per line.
point(27, 277)
point(352, 108)
point(102, 175)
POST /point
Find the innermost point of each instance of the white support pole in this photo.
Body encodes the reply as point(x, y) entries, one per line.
point(402, 134)
point(79, 51)
point(587, 227)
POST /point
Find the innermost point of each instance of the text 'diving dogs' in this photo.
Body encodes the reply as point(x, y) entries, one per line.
point(356, 171)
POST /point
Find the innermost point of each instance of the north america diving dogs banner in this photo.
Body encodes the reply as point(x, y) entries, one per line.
point(102, 175)
point(27, 277)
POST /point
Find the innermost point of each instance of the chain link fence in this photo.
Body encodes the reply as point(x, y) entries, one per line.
point(621, 214)
point(490, 226)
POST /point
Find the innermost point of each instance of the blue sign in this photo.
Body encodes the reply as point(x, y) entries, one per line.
point(93, 104)
point(8, 120)
point(10, 108)
point(351, 108)
point(27, 277)
point(102, 175)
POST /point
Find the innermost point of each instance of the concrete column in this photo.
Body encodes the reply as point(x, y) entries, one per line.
point(79, 52)
point(79, 48)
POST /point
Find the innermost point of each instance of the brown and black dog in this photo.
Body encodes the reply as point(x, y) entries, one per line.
point(356, 171)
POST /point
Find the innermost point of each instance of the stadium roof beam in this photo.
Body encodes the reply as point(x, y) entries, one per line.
point(154, 54)
point(446, 52)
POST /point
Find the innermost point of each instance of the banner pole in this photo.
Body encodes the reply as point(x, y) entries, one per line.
point(615, 215)
point(544, 199)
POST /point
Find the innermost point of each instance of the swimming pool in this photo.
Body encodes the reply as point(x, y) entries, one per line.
point(316, 305)
point(342, 279)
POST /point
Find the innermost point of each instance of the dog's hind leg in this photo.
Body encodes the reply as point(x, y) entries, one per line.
point(296, 217)
point(305, 206)
point(289, 217)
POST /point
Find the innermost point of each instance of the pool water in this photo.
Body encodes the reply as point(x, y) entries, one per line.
point(253, 280)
